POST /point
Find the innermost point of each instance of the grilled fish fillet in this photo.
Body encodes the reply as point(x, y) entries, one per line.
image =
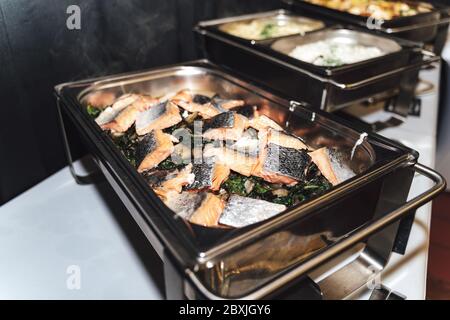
point(201, 208)
point(208, 214)
point(205, 106)
point(158, 116)
point(175, 180)
point(152, 149)
point(224, 126)
point(332, 167)
point(237, 161)
point(209, 174)
point(126, 118)
point(282, 158)
point(110, 113)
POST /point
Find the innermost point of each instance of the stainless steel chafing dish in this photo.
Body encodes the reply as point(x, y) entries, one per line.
point(269, 20)
point(259, 260)
point(393, 74)
point(428, 27)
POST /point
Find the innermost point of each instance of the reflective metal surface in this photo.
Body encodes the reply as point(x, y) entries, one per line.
point(278, 17)
point(234, 263)
point(344, 36)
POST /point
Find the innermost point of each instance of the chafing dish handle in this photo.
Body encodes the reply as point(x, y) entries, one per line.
point(349, 241)
point(92, 177)
point(429, 58)
point(415, 26)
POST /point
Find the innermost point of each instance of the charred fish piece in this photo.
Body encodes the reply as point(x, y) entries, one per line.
point(247, 111)
point(226, 104)
point(204, 105)
point(127, 117)
point(110, 113)
point(185, 100)
point(155, 178)
point(237, 161)
point(242, 211)
point(224, 126)
point(201, 99)
point(152, 149)
point(169, 180)
point(285, 162)
point(331, 166)
point(209, 174)
point(282, 158)
point(159, 116)
point(201, 208)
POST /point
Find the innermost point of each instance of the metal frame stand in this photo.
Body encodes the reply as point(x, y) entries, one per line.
point(90, 178)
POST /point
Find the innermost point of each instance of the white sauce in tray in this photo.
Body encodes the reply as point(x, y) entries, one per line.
point(331, 53)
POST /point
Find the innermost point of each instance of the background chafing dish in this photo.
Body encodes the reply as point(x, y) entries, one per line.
point(233, 263)
point(326, 88)
point(278, 18)
point(428, 27)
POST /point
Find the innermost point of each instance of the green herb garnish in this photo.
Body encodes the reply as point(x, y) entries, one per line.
point(93, 111)
point(127, 144)
point(168, 164)
point(267, 31)
point(261, 187)
point(235, 184)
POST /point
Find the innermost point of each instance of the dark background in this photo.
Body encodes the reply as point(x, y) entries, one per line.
point(37, 51)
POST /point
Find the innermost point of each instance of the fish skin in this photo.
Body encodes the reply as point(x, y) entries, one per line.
point(287, 162)
point(208, 175)
point(235, 160)
point(321, 159)
point(222, 120)
point(201, 99)
point(246, 110)
point(203, 173)
point(200, 208)
point(184, 99)
point(329, 165)
point(205, 106)
point(160, 116)
point(155, 178)
point(209, 212)
point(153, 148)
point(169, 180)
point(127, 117)
point(184, 204)
point(178, 179)
point(225, 126)
point(227, 104)
point(278, 162)
point(242, 211)
point(110, 113)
